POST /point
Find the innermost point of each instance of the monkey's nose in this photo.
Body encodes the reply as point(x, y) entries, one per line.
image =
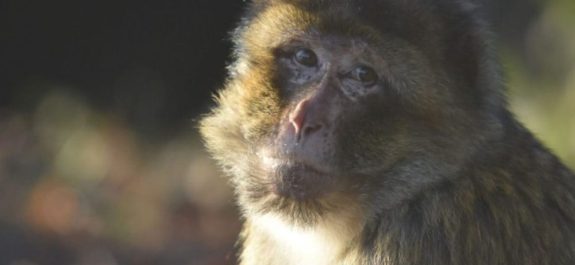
point(297, 116)
point(304, 121)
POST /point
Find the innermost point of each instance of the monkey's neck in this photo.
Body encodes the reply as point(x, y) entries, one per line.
point(325, 243)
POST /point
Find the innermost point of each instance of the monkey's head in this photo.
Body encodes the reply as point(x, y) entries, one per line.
point(340, 104)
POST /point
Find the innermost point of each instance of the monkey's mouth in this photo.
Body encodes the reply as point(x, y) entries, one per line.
point(299, 182)
point(289, 176)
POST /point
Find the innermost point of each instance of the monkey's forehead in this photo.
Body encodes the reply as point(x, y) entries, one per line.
point(281, 23)
point(424, 24)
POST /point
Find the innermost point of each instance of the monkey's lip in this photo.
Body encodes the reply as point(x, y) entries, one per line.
point(297, 180)
point(272, 163)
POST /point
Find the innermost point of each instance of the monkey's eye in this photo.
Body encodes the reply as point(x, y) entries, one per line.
point(365, 74)
point(305, 57)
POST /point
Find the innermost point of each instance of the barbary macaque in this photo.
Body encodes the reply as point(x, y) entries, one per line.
point(377, 132)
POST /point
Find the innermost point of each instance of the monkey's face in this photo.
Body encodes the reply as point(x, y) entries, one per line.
point(320, 106)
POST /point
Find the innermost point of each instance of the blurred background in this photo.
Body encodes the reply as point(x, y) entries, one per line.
point(100, 161)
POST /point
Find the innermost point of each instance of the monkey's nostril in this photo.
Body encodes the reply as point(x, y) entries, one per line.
point(310, 129)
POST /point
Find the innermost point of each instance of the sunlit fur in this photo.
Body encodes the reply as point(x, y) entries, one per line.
point(433, 169)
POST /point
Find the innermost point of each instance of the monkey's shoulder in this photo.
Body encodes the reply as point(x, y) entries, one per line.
point(518, 207)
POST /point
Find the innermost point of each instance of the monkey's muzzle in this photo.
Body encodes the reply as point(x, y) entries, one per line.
point(299, 182)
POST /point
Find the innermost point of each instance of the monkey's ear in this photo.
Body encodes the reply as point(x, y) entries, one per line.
point(469, 54)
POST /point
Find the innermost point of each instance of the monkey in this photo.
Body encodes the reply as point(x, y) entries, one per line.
point(368, 132)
